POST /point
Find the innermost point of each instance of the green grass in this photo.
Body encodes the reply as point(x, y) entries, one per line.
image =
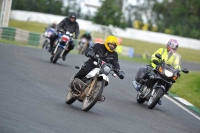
point(135, 59)
point(188, 87)
point(30, 26)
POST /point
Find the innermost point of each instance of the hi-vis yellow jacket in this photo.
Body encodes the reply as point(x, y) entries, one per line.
point(170, 59)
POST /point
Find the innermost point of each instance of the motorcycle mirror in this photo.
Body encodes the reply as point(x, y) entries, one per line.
point(158, 56)
point(77, 67)
point(185, 71)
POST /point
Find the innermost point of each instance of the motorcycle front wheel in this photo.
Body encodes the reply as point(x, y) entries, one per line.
point(90, 101)
point(57, 55)
point(153, 100)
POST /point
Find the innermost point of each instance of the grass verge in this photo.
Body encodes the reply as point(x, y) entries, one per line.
point(188, 87)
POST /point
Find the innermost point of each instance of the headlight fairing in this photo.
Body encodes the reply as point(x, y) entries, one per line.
point(168, 73)
point(105, 69)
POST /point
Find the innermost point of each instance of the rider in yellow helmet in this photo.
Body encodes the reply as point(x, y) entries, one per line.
point(106, 52)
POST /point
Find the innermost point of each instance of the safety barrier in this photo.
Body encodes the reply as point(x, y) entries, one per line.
point(22, 36)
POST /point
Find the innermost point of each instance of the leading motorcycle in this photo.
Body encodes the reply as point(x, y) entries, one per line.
point(90, 88)
point(158, 81)
point(61, 46)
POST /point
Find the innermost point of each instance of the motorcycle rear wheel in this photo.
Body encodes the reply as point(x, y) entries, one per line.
point(153, 100)
point(90, 101)
point(70, 98)
point(139, 99)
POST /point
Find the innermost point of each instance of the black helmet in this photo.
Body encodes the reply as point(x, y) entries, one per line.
point(72, 15)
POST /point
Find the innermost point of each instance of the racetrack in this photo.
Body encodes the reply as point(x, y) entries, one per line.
point(33, 91)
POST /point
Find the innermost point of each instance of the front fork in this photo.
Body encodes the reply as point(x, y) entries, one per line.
point(92, 86)
point(64, 48)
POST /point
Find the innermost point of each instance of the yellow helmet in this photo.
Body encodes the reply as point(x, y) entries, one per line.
point(111, 40)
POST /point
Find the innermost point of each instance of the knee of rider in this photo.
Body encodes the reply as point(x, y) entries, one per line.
point(53, 37)
point(71, 46)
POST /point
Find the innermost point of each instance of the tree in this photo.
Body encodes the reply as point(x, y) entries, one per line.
point(45, 6)
point(181, 17)
point(110, 13)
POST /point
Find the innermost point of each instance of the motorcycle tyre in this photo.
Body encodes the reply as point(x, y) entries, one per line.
point(57, 55)
point(91, 104)
point(160, 92)
point(70, 99)
point(139, 99)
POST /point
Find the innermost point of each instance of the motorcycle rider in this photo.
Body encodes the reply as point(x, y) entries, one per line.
point(67, 24)
point(106, 52)
point(166, 54)
point(88, 37)
point(53, 25)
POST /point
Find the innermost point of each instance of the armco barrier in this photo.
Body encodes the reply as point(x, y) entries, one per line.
point(8, 33)
point(22, 36)
point(34, 39)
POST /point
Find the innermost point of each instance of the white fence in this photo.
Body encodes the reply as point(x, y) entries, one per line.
point(148, 36)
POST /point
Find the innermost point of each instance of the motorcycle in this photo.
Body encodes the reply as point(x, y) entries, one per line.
point(47, 35)
point(90, 88)
point(61, 46)
point(83, 45)
point(158, 81)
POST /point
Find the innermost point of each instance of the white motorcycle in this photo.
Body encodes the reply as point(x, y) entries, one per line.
point(47, 35)
point(83, 45)
point(89, 90)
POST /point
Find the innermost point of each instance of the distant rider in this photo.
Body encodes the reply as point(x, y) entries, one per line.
point(88, 37)
point(106, 52)
point(67, 24)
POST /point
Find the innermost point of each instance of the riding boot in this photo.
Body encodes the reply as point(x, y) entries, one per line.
point(160, 101)
point(65, 54)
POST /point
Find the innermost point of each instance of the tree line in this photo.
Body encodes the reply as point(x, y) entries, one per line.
point(178, 17)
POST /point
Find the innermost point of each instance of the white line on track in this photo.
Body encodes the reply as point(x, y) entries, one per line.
point(182, 107)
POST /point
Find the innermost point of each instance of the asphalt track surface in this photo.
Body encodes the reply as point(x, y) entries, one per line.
point(33, 91)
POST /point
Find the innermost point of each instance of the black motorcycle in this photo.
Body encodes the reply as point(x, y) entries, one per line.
point(61, 45)
point(158, 81)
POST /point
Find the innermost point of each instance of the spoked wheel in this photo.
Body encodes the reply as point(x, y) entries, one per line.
point(153, 100)
point(139, 99)
point(70, 98)
point(90, 101)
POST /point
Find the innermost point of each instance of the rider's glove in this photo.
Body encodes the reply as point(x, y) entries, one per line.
point(121, 74)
